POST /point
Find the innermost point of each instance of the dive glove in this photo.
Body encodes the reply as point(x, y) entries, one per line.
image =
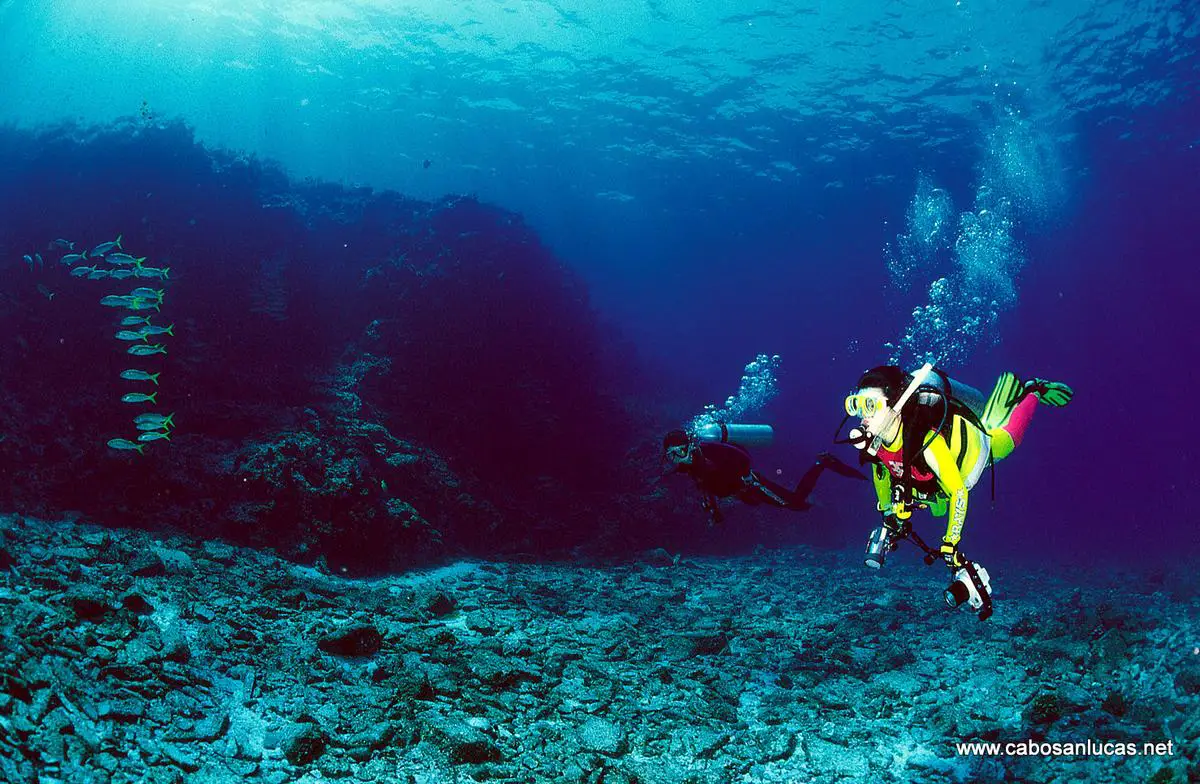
point(897, 527)
point(950, 554)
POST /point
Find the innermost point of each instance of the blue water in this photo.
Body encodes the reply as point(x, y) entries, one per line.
point(724, 180)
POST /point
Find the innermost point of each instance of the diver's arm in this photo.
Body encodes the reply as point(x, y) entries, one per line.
point(882, 480)
point(712, 506)
point(938, 455)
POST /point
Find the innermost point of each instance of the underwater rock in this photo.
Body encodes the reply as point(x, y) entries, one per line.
point(1187, 679)
point(136, 603)
point(206, 730)
point(1115, 703)
point(355, 642)
point(303, 744)
point(1026, 626)
point(462, 743)
point(440, 605)
point(684, 647)
point(770, 744)
point(1073, 698)
point(181, 757)
point(498, 673)
point(380, 735)
point(148, 565)
point(709, 644)
point(221, 552)
point(602, 737)
point(124, 711)
point(340, 484)
point(89, 605)
point(658, 557)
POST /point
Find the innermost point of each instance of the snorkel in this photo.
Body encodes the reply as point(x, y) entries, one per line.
point(884, 421)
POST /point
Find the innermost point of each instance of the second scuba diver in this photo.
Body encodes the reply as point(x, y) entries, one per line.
point(928, 439)
point(722, 469)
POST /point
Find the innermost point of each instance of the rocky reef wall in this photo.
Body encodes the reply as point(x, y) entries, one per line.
point(354, 375)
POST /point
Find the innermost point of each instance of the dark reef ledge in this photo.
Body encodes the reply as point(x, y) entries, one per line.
point(355, 376)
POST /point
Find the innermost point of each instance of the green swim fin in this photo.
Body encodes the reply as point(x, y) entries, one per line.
point(1052, 393)
point(1000, 403)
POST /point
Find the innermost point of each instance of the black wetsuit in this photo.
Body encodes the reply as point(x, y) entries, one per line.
point(723, 470)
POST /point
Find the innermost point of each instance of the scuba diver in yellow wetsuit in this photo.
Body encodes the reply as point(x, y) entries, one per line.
point(929, 439)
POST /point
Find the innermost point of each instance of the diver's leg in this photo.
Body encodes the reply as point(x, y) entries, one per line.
point(1008, 436)
point(1010, 409)
point(1001, 401)
point(804, 488)
point(767, 492)
point(834, 464)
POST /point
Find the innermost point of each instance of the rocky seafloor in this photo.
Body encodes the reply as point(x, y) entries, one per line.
point(131, 657)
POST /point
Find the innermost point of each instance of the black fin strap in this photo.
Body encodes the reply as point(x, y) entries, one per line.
point(992, 470)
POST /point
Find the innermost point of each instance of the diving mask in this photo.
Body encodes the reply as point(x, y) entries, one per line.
point(865, 403)
point(870, 404)
point(679, 453)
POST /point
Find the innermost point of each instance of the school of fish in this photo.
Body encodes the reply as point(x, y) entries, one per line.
point(109, 261)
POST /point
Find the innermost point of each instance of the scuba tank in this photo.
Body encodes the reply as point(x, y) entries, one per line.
point(953, 390)
point(939, 398)
point(742, 435)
